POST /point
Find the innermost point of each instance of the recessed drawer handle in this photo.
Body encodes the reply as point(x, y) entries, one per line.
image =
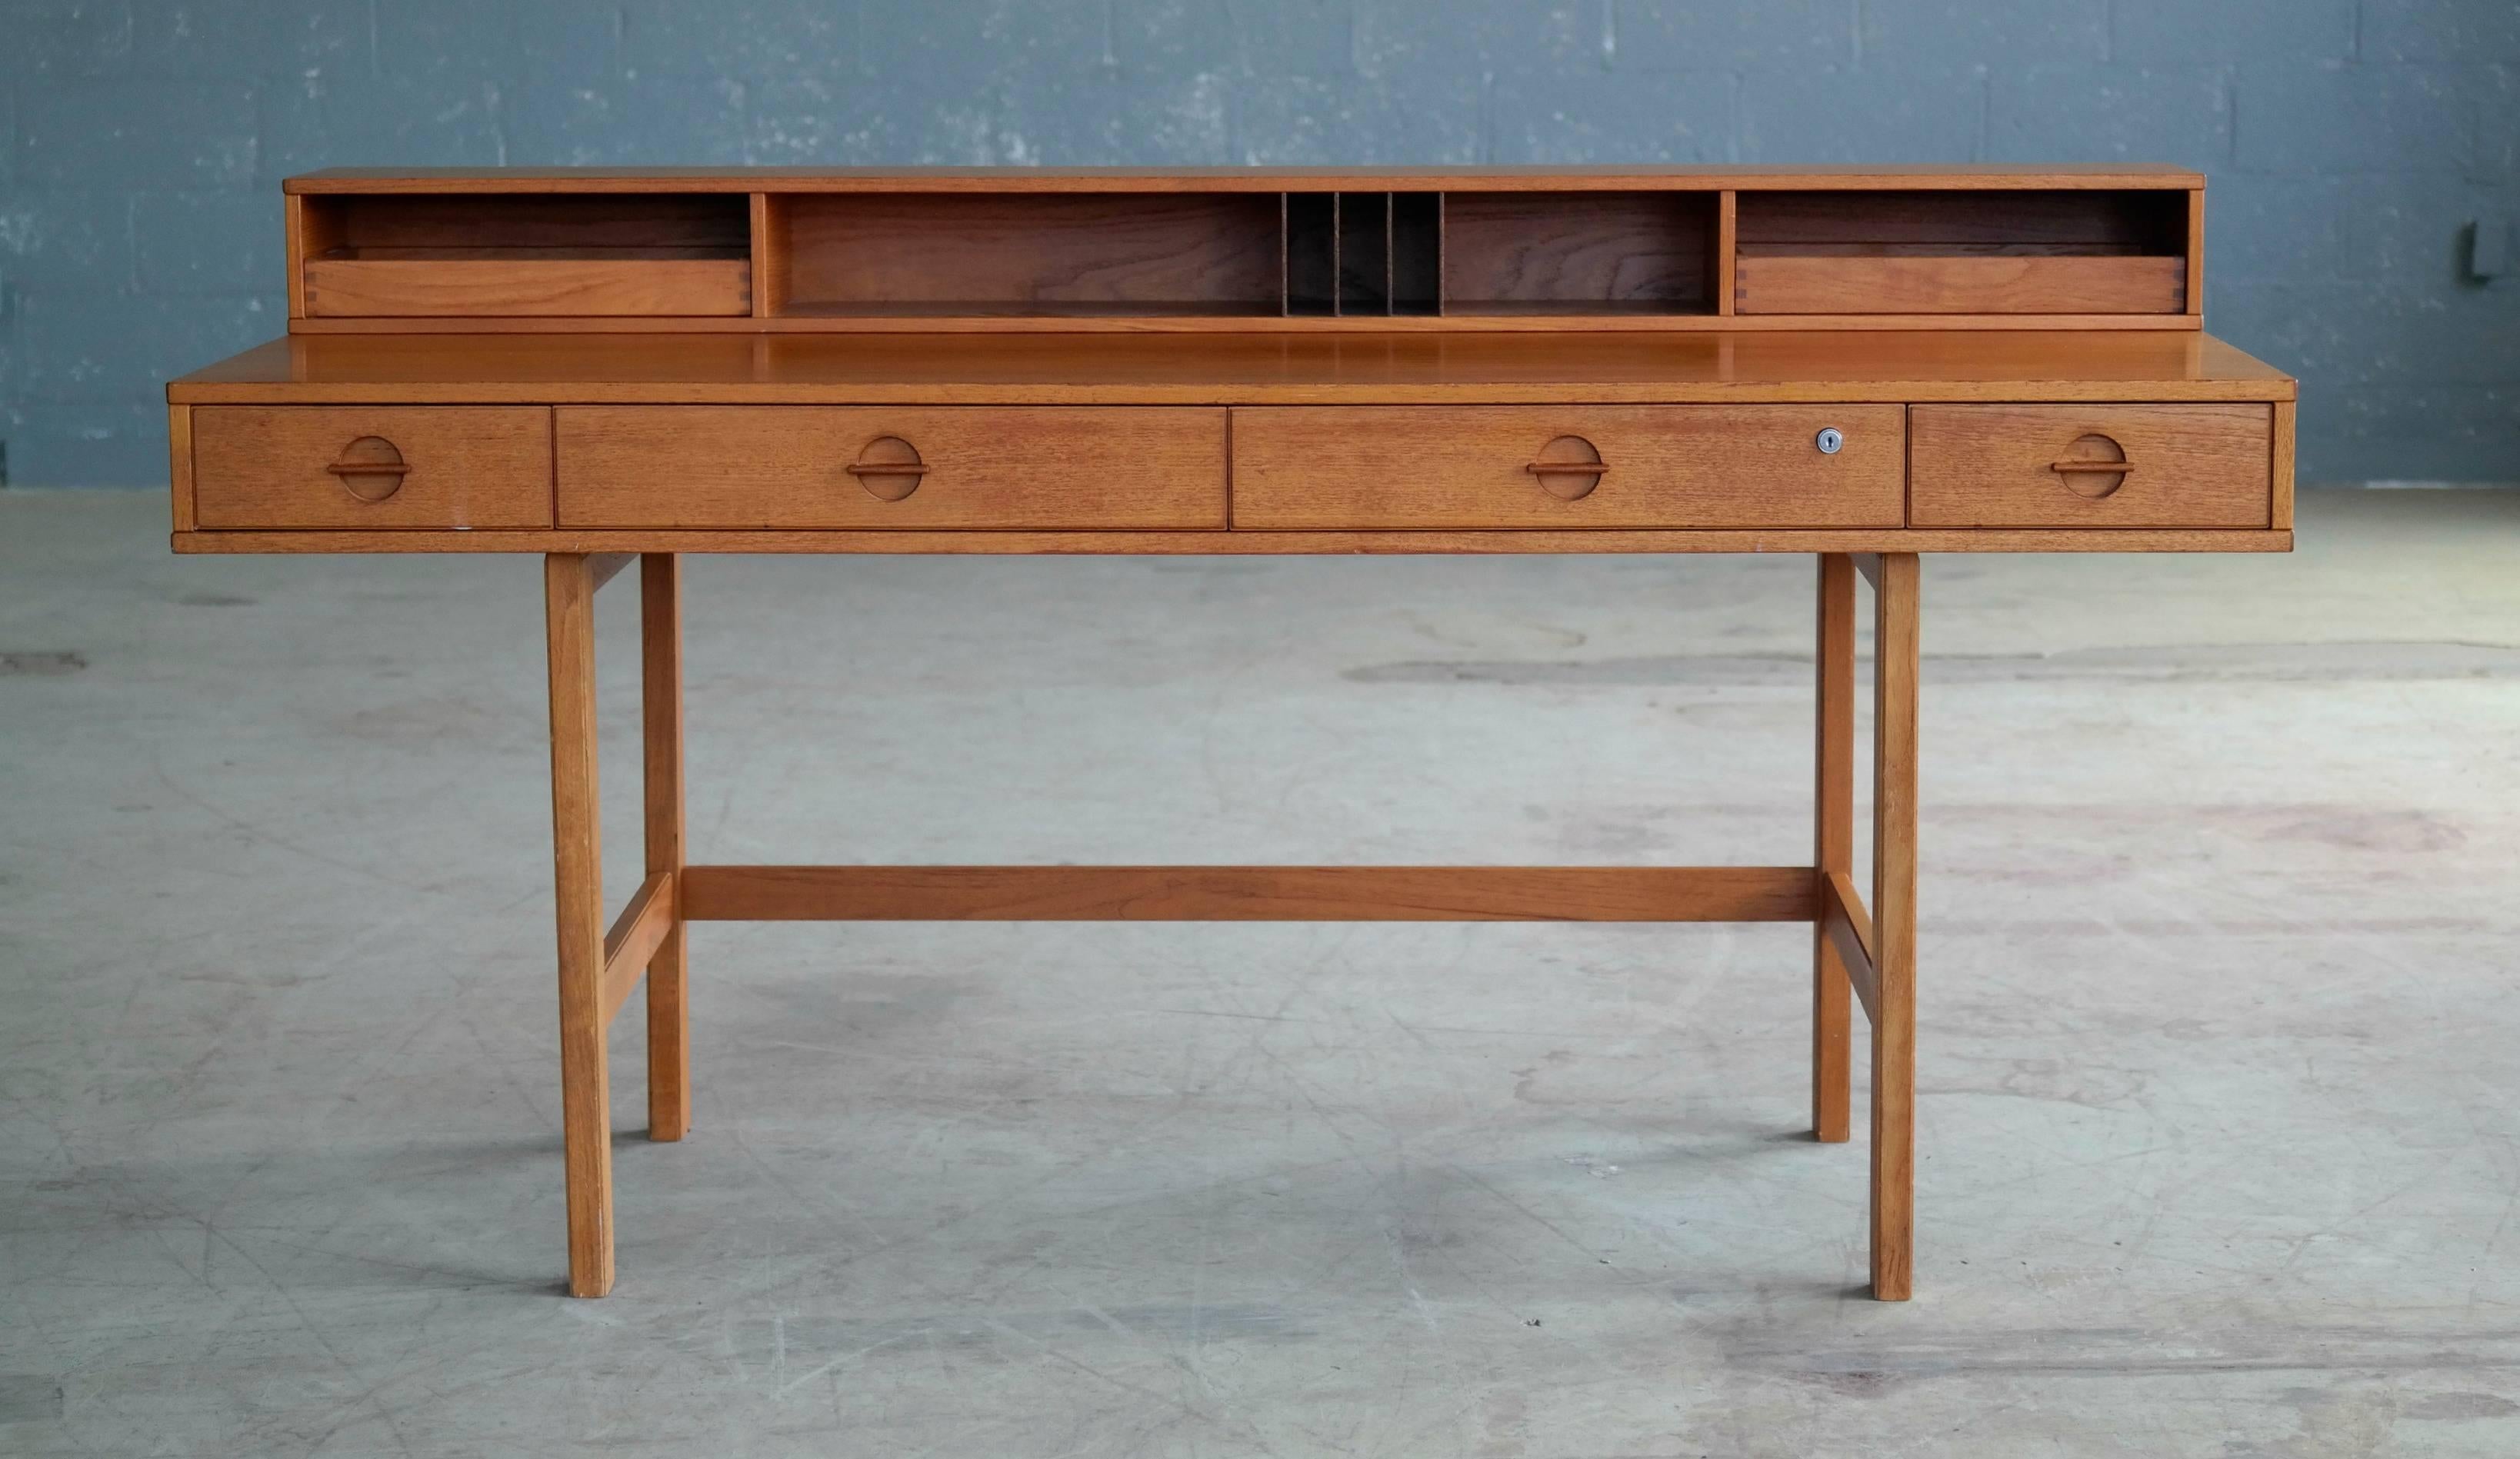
point(890, 468)
point(1569, 468)
point(370, 468)
point(2092, 469)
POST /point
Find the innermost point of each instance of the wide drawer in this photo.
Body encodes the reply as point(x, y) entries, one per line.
point(1568, 467)
point(2094, 466)
point(883, 466)
point(391, 468)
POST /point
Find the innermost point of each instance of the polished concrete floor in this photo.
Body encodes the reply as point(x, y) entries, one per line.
point(2219, 1031)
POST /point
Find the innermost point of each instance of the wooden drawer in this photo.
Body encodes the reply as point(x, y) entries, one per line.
point(416, 467)
point(2046, 465)
point(884, 466)
point(1668, 466)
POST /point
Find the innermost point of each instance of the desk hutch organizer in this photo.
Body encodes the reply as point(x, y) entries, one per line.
point(1863, 366)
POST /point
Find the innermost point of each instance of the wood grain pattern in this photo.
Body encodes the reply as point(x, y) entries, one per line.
point(1616, 177)
point(469, 467)
point(310, 229)
point(1896, 650)
point(1651, 248)
point(958, 251)
point(1249, 893)
point(1254, 320)
point(1406, 468)
point(1833, 842)
point(2282, 467)
point(1992, 466)
point(1844, 926)
point(634, 938)
point(179, 466)
point(1958, 283)
point(1728, 252)
point(1242, 542)
point(787, 467)
point(2196, 253)
point(527, 288)
point(578, 852)
point(1386, 368)
point(772, 283)
point(661, 690)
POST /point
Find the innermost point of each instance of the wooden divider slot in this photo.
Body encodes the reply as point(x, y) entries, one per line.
point(1416, 252)
point(1311, 251)
point(1365, 253)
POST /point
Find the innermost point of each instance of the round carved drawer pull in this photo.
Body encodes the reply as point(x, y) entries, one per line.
point(2098, 467)
point(890, 468)
point(371, 469)
point(1569, 468)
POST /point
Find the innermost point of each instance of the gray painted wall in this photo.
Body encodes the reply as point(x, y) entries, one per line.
point(2347, 140)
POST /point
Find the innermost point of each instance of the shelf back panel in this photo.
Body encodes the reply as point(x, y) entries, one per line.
point(1651, 252)
point(979, 253)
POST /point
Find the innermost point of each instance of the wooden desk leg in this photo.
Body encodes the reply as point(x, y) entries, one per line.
point(1834, 848)
point(586, 1122)
point(660, 640)
point(1895, 652)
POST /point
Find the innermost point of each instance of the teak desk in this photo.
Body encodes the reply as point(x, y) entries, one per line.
point(1861, 366)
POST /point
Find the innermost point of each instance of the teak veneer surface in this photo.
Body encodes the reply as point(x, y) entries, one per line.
point(1703, 465)
point(1994, 466)
point(1025, 466)
point(1235, 369)
point(1224, 179)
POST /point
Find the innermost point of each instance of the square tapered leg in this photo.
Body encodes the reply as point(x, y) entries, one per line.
point(660, 641)
point(568, 600)
point(1833, 842)
point(1896, 651)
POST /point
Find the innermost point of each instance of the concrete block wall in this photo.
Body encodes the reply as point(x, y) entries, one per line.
point(2347, 142)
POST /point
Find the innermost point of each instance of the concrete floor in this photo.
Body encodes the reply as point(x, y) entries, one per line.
point(2218, 1096)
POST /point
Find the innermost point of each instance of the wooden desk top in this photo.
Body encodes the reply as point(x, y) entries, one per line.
point(1111, 369)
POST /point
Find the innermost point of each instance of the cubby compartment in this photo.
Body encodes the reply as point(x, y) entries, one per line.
point(1025, 250)
point(1963, 252)
point(1576, 253)
point(1084, 255)
point(440, 254)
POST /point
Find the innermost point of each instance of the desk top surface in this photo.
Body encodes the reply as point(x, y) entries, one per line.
point(1236, 369)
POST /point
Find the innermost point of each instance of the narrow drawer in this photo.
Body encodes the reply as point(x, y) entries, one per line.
point(388, 467)
point(883, 466)
point(2049, 465)
point(1567, 467)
